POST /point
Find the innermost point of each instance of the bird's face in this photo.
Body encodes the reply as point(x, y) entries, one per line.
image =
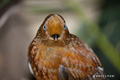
point(54, 28)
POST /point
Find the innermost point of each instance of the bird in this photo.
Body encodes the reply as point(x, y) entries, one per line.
point(56, 54)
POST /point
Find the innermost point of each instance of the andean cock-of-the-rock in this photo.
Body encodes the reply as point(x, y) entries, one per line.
point(55, 54)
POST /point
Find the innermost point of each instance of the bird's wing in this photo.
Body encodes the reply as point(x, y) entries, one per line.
point(80, 62)
point(30, 68)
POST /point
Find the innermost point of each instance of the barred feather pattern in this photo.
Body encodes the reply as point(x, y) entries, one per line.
point(74, 61)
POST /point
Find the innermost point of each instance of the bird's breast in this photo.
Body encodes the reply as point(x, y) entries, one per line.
point(50, 57)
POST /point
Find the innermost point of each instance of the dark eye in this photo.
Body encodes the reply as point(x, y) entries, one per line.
point(64, 26)
point(44, 27)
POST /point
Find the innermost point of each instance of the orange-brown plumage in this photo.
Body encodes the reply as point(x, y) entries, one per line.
point(55, 54)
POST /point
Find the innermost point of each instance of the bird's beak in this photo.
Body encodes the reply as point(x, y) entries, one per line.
point(55, 36)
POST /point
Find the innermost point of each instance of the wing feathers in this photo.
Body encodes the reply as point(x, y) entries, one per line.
point(81, 62)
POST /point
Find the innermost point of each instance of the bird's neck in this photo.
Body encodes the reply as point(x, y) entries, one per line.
point(55, 43)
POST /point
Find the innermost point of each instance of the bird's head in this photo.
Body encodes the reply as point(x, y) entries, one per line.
point(54, 28)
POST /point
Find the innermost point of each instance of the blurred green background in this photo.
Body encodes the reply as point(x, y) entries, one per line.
point(96, 22)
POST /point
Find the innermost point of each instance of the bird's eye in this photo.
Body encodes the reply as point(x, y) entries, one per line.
point(44, 27)
point(64, 26)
